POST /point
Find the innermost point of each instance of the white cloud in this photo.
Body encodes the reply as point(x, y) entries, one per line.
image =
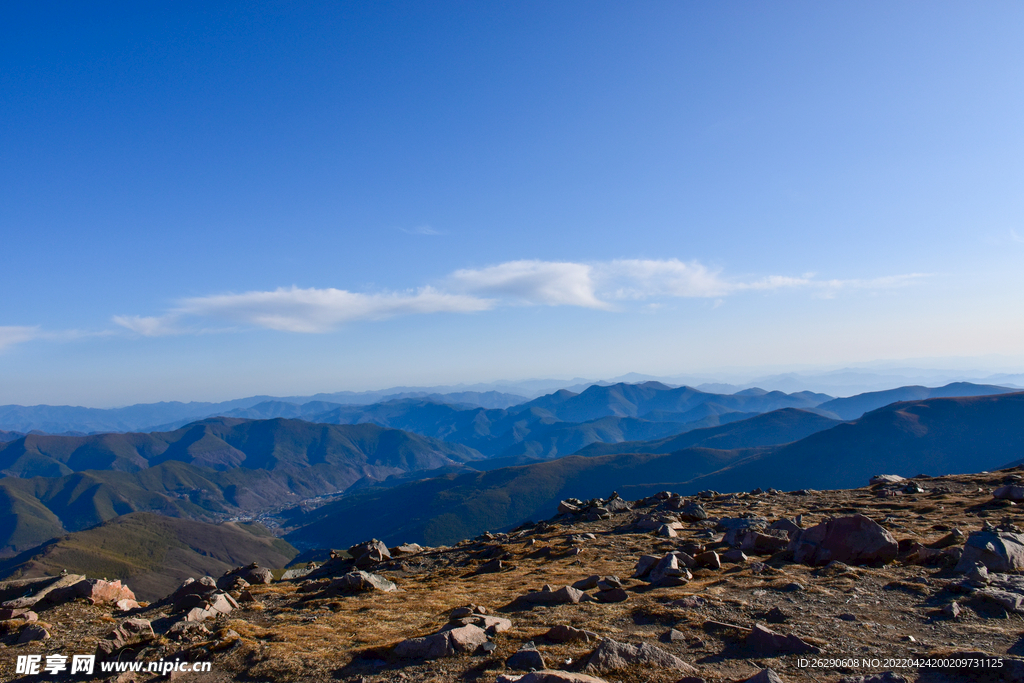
point(319, 310)
point(526, 282)
point(648, 278)
point(550, 283)
point(421, 230)
point(11, 335)
point(150, 326)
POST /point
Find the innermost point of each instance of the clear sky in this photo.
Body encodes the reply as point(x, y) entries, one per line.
point(210, 200)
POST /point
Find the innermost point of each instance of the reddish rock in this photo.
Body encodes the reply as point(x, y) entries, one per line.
point(853, 540)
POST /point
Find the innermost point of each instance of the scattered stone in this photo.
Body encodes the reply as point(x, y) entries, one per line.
point(884, 677)
point(129, 632)
point(610, 655)
point(492, 567)
point(689, 602)
point(23, 614)
point(96, 591)
point(673, 636)
point(550, 677)
point(952, 610)
point(693, 512)
point(33, 632)
point(765, 676)
point(777, 616)
point(405, 550)
point(854, 539)
point(442, 644)
point(668, 572)
point(566, 634)
point(125, 604)
point(526, 659)
point(763, 640)
point(361, 582)
point(734, 556)
point(562, 596)
point(666, 531)
point(708, 560)
point(187, 629)
point(369, 553)
point(644, 566)
point(611, 595)
point(1013, 492)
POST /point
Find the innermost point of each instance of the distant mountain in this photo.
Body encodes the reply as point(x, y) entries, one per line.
point(934, 436)
point(153, 553)
point(171, 415)
point(448, 509)
point(853, 407)
point(10, 436)
point(225, 443)
point(767, 429)
point(638, 400)
point(209, 470)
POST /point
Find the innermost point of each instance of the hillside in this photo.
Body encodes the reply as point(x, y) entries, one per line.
point(935, 436)
point(854, 406)
point(207, 471)
point(446, 509)
point(153, 552)
point(767, 429)
point(224, 443)
point(893, 602)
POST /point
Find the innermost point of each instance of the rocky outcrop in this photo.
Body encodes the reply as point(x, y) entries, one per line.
point(852, 540)
point(764, 641)
point(361, 582)
point(445, 643)
point(999, 551)
point(128, 632)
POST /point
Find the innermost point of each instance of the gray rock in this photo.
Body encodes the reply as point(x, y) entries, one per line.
point(611, 595)
point(853, 540)
point(644, 566)
point(526, 659)
point(33, 632)
point(999, 551)
point(734, 556)
point(885, 479)
point(361, 582)
point(763, 640)
point(1009, 493)
point(708, 559)
point(369, 553)
point(884, 677)
point(551, 677)
point(765, 676)
point(566, 634)
point(562, 596)
point(610, 655)
point(442, 644)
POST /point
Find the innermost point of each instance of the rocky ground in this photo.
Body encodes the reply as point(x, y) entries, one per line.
point(907, 578)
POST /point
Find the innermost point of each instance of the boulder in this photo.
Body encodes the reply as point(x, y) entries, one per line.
point(853, 540)
point(526, 659)
point(1000, 551)
point(33, 632)
point(489, 624)
point(442, 644)
point(566, 634)
point(708, 559)
point(610, 655)
point(644, 566)
point(611, 595)
point(23, 614)
point(693, 512)
point(96, 591)
point(734, 556)
point(1009, 492)
point(562, 596)
point(668, 571)
point(885, 479)
point(361, 582)
point(764, 641)
point(369, 553)
point(764, 676)
point(764, 542)
point(405, 549)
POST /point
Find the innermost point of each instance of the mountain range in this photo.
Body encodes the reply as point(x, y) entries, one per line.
point(417, 469)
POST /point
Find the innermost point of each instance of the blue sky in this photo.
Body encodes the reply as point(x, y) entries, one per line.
point(209, 200)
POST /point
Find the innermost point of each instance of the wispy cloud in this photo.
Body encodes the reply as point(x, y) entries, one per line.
point(318, 310)
point(422, 230)
point(548, 283)
point(606, 285)
point(11, 335)
point(1015, 236)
